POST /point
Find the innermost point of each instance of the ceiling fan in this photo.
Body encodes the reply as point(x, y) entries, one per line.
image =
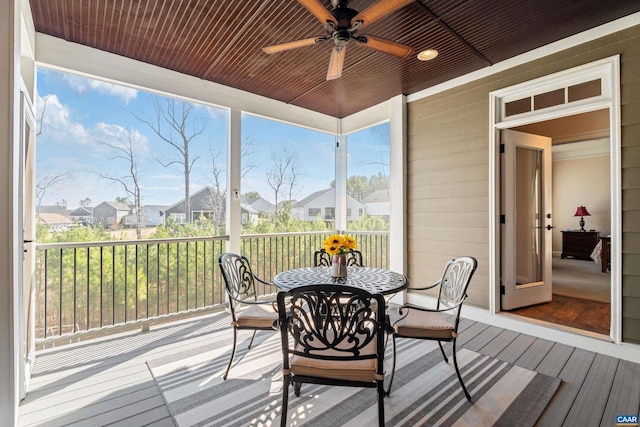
point(341, 24)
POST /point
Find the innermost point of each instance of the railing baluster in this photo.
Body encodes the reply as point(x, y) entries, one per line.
point(101, 288)
point(113, 285)
point(167, 274)
point(46, 279)
point(146, 274)
point(87, 321)
point(178, 277)
point(60, 295)
point(126, 283)
point(196, 275)
point(75, 283)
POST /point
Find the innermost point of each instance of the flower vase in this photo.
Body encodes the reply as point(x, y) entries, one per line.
point(339, 265)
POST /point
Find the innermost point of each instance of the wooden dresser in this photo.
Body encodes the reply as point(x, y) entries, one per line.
point(579, 244)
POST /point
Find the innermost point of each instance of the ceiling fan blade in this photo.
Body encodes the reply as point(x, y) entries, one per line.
point(378, 10)
point(318, 10)
point(336, 63)
point(387, 46)
point(290, 45)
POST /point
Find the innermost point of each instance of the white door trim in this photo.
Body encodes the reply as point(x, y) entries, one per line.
point(608, 70)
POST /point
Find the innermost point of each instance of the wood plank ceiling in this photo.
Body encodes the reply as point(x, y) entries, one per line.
point(221, 41)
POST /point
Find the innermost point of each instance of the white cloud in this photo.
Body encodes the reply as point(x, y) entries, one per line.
point(113, 134)
point(81, 84)
point(58, 125)
point(56, 121)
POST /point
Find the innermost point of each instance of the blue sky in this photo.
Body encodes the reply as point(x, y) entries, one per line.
point(83, 116)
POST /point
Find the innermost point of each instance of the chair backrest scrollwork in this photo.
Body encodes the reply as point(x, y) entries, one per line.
point(238, 277)
point(455, 281)
point(339, 318)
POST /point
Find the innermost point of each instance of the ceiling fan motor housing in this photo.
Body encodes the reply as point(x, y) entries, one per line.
point(342, 33)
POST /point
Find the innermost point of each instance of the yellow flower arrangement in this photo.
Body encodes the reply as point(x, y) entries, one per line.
point(339, 244)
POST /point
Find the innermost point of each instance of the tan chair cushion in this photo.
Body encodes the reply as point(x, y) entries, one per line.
point(257, 316)
point(352, 370)
point(420, 324)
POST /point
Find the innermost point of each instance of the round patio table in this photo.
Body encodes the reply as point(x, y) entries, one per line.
point(373, 280)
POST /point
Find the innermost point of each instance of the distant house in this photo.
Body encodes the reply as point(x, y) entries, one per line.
point(55, 221)
point(377, 204)
point(202, 205)
point(83, 215)
point(259, 204)
point(323, 203)
point(152, 216)
point(110, 214)
point(248, 214)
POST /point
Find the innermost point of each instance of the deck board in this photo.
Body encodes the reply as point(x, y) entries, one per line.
point(573, 375)
point(516, 348)
point(592, 396)
point(625, 392)
point(107, 382)
point(499, 343)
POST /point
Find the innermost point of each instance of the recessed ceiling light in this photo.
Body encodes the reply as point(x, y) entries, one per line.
point(428, 54)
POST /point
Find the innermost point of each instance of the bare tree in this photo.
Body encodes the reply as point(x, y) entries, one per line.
point(174, 124)
point(41, 119)
point(123, 146)
point(218, 173)
point(282, 173)
point(48, 180)
point(86, 202)
point(291, 179)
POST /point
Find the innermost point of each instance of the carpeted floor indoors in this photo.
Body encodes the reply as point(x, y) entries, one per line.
point(581, 279)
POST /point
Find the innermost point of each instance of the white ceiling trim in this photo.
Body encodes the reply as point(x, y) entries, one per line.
point(552, 48)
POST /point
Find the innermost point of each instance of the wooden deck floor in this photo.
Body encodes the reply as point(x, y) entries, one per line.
point(106, 382)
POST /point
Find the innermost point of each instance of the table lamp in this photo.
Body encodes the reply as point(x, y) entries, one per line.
point(582, 212)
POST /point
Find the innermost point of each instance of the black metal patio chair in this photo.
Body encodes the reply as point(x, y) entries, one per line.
point(334, 335)
point(408, 321)
point(247, 312)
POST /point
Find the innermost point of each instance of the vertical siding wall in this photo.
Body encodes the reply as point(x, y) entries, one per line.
point(448, 171)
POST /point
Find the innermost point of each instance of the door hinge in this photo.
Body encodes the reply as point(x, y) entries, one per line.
point(502, 290)
point(501, 148)
point(503, 219)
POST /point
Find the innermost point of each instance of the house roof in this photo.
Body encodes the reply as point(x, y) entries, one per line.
point(378, 196)
point(116, 205)
point(221, 41)
point(205, 188)
point(53, 218)
point(82, 211)
point(62, 210)
point(156, 208)
point(311, 197)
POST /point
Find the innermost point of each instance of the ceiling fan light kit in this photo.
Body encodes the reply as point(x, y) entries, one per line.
point(341, 24)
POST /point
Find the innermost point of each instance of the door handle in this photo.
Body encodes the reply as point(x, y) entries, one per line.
point(550, 227)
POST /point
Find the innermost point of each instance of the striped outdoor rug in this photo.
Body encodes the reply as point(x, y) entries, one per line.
point(425, 391)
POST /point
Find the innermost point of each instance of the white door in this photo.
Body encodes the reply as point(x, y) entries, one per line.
point(526, 221)
point(27, 292)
